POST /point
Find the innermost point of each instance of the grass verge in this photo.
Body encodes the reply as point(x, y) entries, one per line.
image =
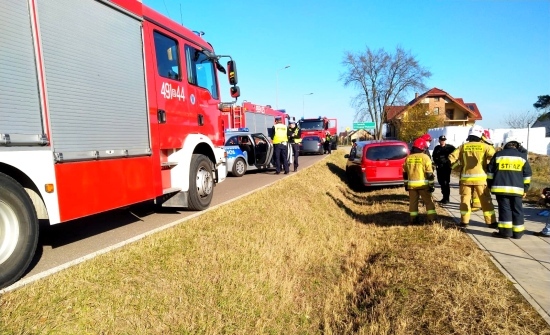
point(304, 256)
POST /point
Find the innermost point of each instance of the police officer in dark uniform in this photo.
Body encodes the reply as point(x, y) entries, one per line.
point(443, 165)
point(294, 138)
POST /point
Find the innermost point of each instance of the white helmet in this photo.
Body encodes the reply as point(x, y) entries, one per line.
point(511, 137)
point(476, 130)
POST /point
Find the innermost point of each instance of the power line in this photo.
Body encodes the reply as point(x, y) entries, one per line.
point(167, 12)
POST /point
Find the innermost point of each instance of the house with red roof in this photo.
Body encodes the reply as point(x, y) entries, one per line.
point(452, 111)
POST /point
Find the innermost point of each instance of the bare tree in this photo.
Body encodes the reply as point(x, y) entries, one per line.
point(521, 120)
point(381, 79)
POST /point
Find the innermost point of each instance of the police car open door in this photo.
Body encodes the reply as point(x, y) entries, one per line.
point(263, 150)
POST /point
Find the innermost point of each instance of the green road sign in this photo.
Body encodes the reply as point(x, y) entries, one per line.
point(364, 125)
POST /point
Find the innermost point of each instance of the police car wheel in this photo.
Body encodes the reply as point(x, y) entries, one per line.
point(239, 167)
point(18, 230)
point(201, 183)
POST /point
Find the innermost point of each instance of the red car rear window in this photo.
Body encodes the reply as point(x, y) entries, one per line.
point(386, 152)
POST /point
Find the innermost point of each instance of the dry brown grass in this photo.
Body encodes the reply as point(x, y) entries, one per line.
point(325, 260)
point(540, 164)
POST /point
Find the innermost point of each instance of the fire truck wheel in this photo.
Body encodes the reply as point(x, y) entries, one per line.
point(201, 183)
point(18, 230)
point(239, 167)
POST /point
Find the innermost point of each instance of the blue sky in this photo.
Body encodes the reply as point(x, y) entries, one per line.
point(495, 53)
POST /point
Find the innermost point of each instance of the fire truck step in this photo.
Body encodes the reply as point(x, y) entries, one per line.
point(168, 165)
point(171, 190)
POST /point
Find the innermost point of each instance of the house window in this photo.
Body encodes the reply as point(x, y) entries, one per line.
point(436, 99)
point(436, 110)
point(450, 113)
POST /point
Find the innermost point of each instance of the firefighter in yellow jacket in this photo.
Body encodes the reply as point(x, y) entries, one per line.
point(476, 202)
point(472, 158)
point(419, 180)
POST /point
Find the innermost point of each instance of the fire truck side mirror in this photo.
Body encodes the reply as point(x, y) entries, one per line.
point(232, 72)
point(235, 92)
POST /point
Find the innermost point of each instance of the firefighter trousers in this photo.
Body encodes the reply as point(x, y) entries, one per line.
point(414, 195)
point(510, 216)
point(476, 198)
point(466, 193)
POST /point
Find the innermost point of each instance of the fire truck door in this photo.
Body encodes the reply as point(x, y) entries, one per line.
point(203, 94)
point(172, 112)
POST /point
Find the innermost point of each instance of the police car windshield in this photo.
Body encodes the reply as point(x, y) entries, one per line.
point(311, 125)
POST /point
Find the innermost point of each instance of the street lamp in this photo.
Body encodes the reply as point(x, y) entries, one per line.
point(303, 102)
point(277, 87)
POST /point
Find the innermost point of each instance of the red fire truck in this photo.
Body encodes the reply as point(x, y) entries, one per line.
point(257, 118)
point(318, 127)
point(103, 104)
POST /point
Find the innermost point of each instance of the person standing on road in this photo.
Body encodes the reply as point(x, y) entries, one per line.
point(443, 165)
point(472, 158)
point(294, 138)
point(353, 151)
point(280, 139)
point(327, 144)
point(419, 181)
point(509, 177)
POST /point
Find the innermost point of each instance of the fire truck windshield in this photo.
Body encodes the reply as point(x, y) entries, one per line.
point(311, 124)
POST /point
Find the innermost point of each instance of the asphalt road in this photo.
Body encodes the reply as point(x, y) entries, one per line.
point(63, 245)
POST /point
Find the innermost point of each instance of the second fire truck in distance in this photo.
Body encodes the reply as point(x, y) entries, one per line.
point(318, 127)
point(257, 118)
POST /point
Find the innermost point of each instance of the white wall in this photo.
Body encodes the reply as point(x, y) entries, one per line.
point(455, 135)
point(537, 142)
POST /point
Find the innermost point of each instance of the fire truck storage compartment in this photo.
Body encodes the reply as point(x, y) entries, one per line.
point(20, 114)
point(259, 123)
point(95, 80)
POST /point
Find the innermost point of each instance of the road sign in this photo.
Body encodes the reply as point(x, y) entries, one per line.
point(364, 125)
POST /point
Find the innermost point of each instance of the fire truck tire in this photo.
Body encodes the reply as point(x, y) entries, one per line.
point(18, 230)
point(201, 183)
point(239, 167)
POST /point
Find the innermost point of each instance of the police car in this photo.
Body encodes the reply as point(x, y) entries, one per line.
point(246, 151)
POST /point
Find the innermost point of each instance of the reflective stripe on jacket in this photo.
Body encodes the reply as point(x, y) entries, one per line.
point(418, 170)
point(509, 173)
point(295, 132)
point(280, 135)
point(472, 157)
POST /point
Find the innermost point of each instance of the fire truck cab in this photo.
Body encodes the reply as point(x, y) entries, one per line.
point(103, 104)
point(318, 127)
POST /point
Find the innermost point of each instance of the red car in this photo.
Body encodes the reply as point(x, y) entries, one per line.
point(376, 163)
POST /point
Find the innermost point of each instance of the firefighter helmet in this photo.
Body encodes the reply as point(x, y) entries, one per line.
point(476, 130)
point(427, 137)
point(511, 137)
point(486, 137)
point(420, 143)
